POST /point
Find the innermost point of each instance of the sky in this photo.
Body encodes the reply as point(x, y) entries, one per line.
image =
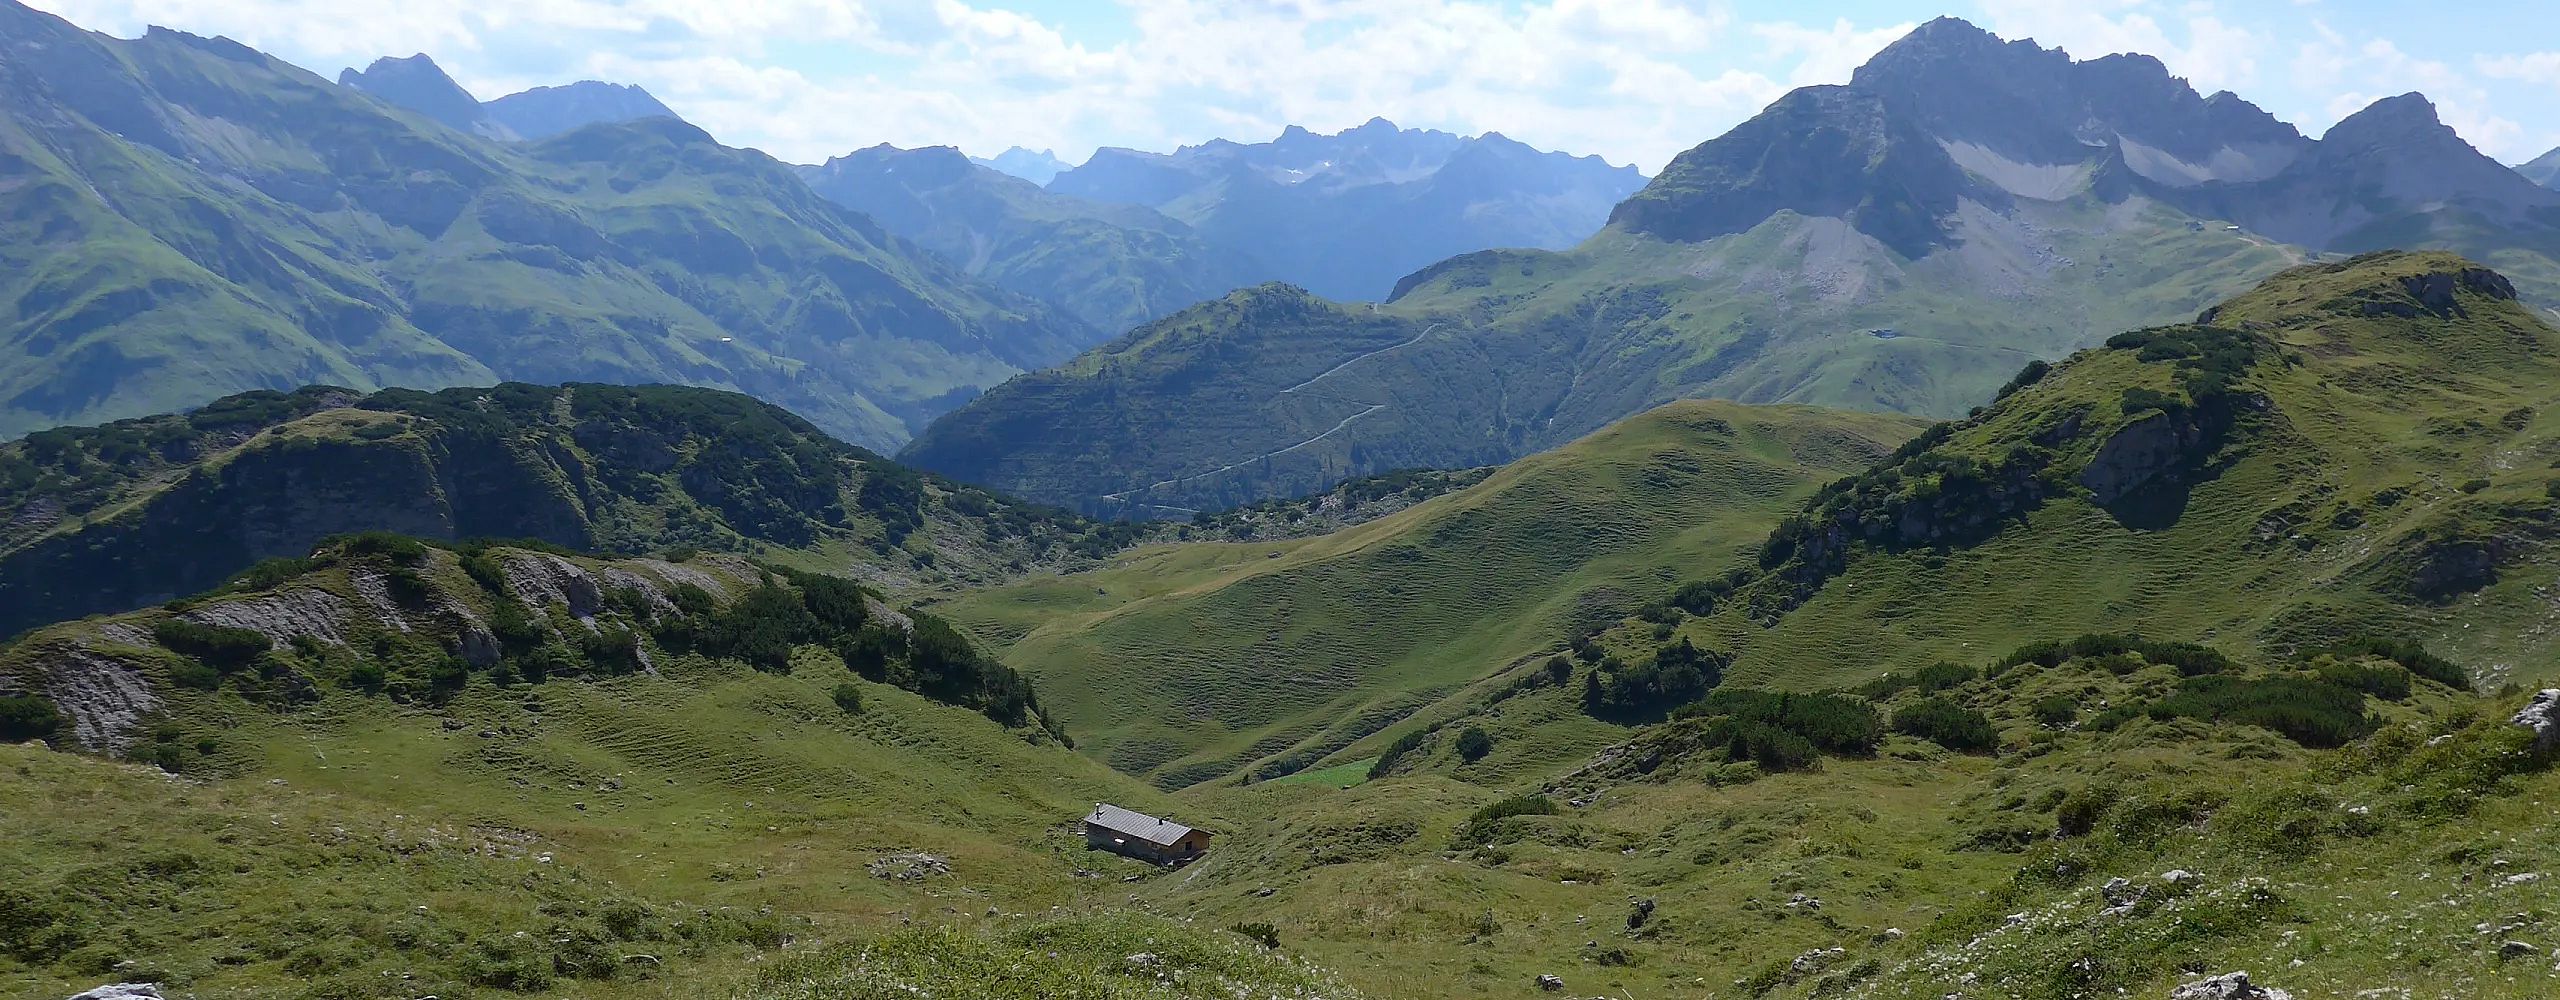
point(1634, 81)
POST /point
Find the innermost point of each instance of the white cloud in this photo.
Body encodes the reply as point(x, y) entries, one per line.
point(1827, 55)
point(2357, 74)
point(1635, 80)
point(2192, 39)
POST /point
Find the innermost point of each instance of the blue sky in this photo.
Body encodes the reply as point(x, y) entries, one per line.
point(1632, 80)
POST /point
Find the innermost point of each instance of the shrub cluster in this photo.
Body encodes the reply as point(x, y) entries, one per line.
point(1484, 825)
point(2190, 658)
point(1396, 751)
point(1947, 724)
point(1833, 723)
point(27, 717)
point(1675, 675)
point(2308, 710)
point(2409, 655)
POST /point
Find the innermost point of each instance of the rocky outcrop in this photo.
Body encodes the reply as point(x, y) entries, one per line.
point(2541, 717)
point(2228, 986)
point(544, 581)
point(122, 991)
point(105, 698)
point(2438, 293)
point(2137, 454)
point(281, 616)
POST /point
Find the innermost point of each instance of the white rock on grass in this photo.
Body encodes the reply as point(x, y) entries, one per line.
point(2227, 986)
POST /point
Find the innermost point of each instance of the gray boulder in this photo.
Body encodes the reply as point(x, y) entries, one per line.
point(2227, 986)
point(123, 991)
point(2541, 717)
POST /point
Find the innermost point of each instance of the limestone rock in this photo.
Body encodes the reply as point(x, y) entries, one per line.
point(2541, 717)
point(122, 991)
point(2227, 986)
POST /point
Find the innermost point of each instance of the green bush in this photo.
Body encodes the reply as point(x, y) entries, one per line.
point(1835, 723)
point(2056, 710)
point(1484, 824)
point(2306, 710)
point(27, 717)
point(848, 697)
point(1405, 744)
point(400, 549)
point(2407, 654)
point(1473, 744)
point(1947, 724)
point(1675, 675)
point(1260, 932)
point(221, 647)
point(2387, 681)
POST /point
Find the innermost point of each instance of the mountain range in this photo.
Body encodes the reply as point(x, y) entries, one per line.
point(1965, 206)
point(418, 84)
point(1345, 215)
point(1114, 266)
point(188, 218)
point(1037, 166)
point(1817, 702)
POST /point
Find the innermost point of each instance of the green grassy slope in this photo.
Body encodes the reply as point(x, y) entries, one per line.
point(105, 519)
point(330, 830)
point(188, 218)
point(2399, 862)
point(2380, 464)
point(1198, 661)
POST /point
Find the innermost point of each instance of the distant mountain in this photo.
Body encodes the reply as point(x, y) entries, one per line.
point(2543, 169)
point(1346, 215)
point(182, 218)
point(1037, 166)
point(1114, 266)
point(1905, 242)
point(418, 84)
point(547, 111)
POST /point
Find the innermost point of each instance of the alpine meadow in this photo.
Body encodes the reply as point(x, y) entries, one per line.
point(1535, 498)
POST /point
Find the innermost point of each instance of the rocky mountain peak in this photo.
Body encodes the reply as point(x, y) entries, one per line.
point(2407, 116)
point(545, 111)
point(418, 84)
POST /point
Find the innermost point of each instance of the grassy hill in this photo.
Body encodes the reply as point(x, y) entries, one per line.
point(395, 760)
point(2353, 448)
point(110, 518)
point(187, 218)
point(1195, 661)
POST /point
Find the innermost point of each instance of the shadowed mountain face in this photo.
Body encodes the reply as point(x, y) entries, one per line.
point(1905, 242)
point(182, 218)
point(1114, 266)
point(1345, 215)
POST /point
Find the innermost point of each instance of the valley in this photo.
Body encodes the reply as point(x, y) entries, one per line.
point(2009, 526)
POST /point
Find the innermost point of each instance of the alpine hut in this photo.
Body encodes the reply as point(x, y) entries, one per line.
point(1138, 835)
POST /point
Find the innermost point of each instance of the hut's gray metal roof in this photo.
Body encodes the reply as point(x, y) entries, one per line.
point(1160, 832)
